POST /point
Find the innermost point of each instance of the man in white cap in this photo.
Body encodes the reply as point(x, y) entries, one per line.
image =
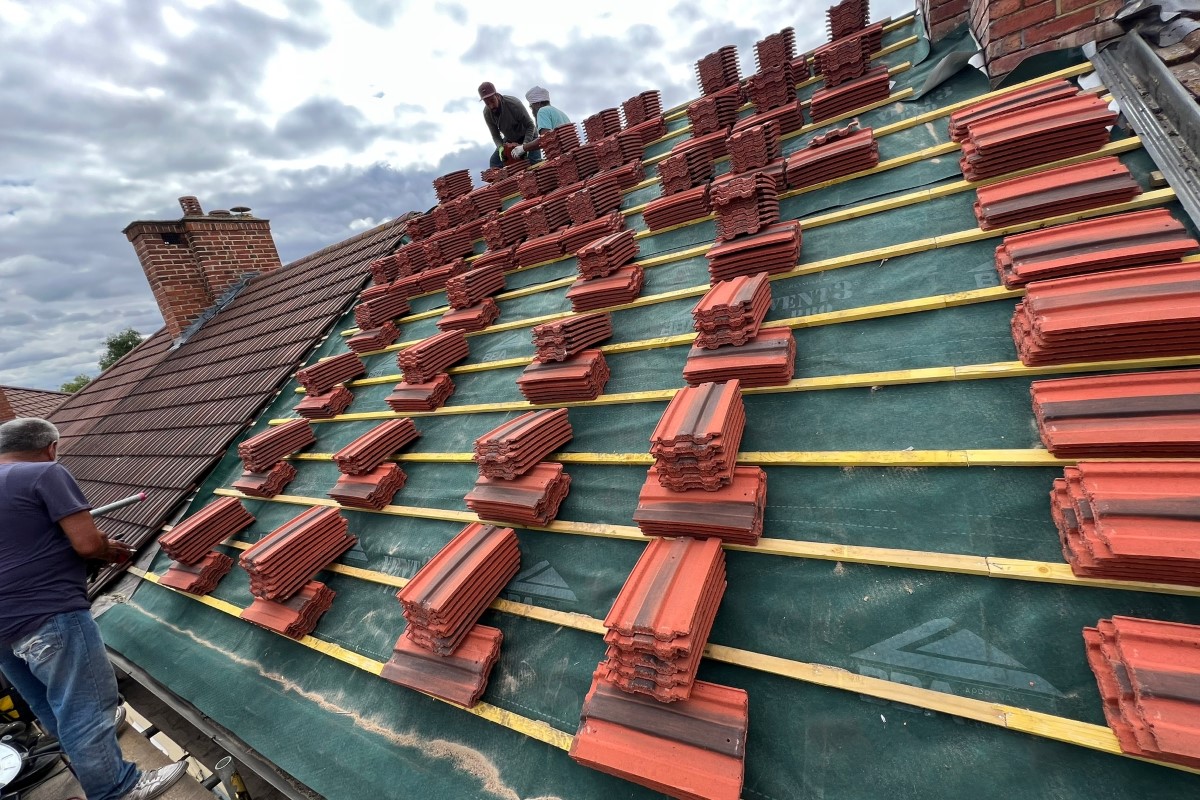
point(548, 117)
point(509, 123)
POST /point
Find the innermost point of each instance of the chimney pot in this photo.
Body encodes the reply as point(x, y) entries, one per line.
point(219, 212)
point(191, 206)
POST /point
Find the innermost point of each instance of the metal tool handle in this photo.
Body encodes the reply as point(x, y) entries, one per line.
point(126, 501)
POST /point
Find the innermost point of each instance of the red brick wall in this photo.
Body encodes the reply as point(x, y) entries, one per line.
point(1012, 30)
point(943, 16)
point(6, 409)
point(192, 262)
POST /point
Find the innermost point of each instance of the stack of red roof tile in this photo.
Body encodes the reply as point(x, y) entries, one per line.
point(576, 236)
point(611, 180)
point(1129, 520)
point(1030, 96)
point(473, 318)
point(324, 375)
point(718, 70)
point(548, 216)
point(190, 540)
point(555, 341)
point(372, 292)
point(1037, 135)
point(609, 153)
point(464, 291)
point(684, 170)
point(1147, 673)
point(324, 406)
point(769, 359)
point(696, 441)
point(452, 185)
point(419, 226)
point(633, 140)
point(427, 396)
point(445, 599)
point(374, 339)
point(505, 259)
point(1151, 414)
point(604, 256)
point(847, 17)
point(409, 259)
point(512, 448)
point(789, 118)
point(660, 622)
point(460, 677)
point(1065, 190)
point(530, 500)
point(385, 308)
point(484, 200)
point(774, 250)
point(559, 141)
point(1094, 245)
point(772, 87)
point(677, 208)
point(199, 578)
point(445, 215)
point(455, 242)
point(295, 617)
point(539, 249)
point(693, 749)
point(373, 448)
point(838, 101)
point(494, 175)
point(841, 61)
point(384, 270)
point(1130, 313)
point(622, 286)
point(839, 152)
point(267, 483)
point(642, 107)
point(433, 280)
point(582, 376)
point(503, 230)
point(536, 182)
point(286, 558)
point(732, 311)
point(260, 452)
point(732, 513)
point(744, 204)
point(713, 145)
point(602, 123)
point(778, 48)
point(712, 114)
point(373, 489)
point(424, 360)
point(753, 148)
point(594, 200)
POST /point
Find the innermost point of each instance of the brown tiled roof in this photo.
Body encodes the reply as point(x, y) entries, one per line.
point(29, 402)
point(159, 418)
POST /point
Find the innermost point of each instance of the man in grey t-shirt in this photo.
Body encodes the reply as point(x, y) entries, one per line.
point(508, 122)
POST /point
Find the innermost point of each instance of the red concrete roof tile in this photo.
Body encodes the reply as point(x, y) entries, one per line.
point(424, 360)
point(772, 87)
point(623, 286)
point(373, 339)
point(847, 57)
point(1128, 415)
point(427, 396)
point(732, 311)
point(1094, 245)
point(473, 318)
point(767, 360)
point(535, 183)
point(694, 749)
point(576, 236)
point(452, 185)
point(733, 513)
point(753, 147)
point(576, 166)
point(555, 341)
point(372, 448)
point(744, 205)
point(324, 375)
point(1030, 96)
point(469, 288)
point(604, 256)
point(789, 118)
point(774, 250)
point(775, 49)
point(683, 170)
point(712, 114)
point(593, 201)
point(718, 70)
point(190, 540)
point(1057, 191)
point(373, 489)
point(831, 102)
point(503, 230)
point(325, 406)
point(582, 376)
point(460, 677)
point(634, 138)
point(603, 123)
point(284, 560)
point(846, 17)
point(530, 499)
point(1131, 313)
point(538, 249)
point(642, 107)
point(262, 450)
point(505, 258)
point(677, 208)
point(295, 617)
point(444, 600)
point(696, 441)
point(267, 483)
point(512, 448)
point(560, 140)
point(199, 578)
point(839, 152)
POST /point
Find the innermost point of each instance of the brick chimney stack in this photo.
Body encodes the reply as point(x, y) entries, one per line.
point(190, 263)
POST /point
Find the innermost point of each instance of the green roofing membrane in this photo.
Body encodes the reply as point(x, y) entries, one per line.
point(349, 734)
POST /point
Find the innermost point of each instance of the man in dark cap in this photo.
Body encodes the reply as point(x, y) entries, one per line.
point(508, 122)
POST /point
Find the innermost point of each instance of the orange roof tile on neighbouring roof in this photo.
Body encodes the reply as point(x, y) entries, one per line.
point(29, 402)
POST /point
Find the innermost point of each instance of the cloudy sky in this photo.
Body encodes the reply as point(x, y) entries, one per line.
point(324, 116)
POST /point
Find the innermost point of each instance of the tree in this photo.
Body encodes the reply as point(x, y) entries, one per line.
point(77, 383)
point(117, 345)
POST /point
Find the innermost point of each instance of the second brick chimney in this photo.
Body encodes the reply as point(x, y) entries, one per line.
point(191, 262)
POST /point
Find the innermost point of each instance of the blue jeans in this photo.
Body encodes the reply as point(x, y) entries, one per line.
point(64, 674)
point(533, 156)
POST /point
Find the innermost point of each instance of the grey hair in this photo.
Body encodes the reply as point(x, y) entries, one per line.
point(27, 434)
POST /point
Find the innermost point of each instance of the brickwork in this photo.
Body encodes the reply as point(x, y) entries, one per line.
point(1012, 30)
point(943, 16)
point(191, 262)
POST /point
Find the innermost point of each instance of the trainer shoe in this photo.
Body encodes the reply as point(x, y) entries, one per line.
point(156, 781)
point(120, 720)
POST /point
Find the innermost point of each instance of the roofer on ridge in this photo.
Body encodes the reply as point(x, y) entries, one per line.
point(509, 124)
